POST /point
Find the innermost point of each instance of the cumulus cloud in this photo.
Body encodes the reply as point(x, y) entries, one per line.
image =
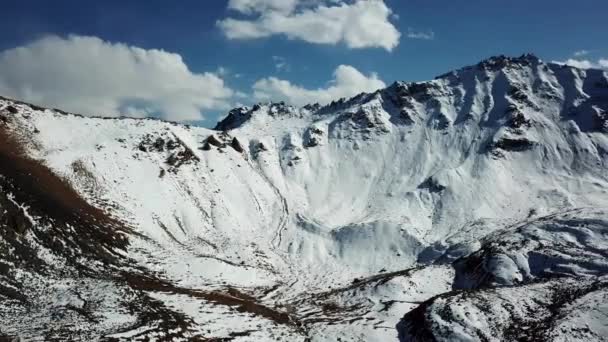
point(581, 53)
point(358, 24)
point(347, 82)
point(601, 63)
point(91, 76)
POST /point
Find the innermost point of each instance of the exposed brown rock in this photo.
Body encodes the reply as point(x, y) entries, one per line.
point(11, 109)
point(75, 227)
point(206, 146)
point(213, 140)
point(514, 144)
point(236, 145)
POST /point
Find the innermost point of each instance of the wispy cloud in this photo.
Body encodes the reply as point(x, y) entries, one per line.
point(425, 35)
point(280, 63)
point(601, 63)
point(581, 53)
point(222, 71)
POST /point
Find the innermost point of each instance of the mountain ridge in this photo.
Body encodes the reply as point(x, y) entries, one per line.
point(319, 223)
point(502, 60)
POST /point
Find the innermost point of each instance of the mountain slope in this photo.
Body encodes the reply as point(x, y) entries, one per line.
point(303, 223)
point(544, 280)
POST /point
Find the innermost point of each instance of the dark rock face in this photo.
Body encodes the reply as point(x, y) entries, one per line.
point(236, 145)
point(257, 147)
point(239, 116)
point(366, 121)
point(400, 96)
point(182, 157)
point(235, 118)
point(35, 107)
point(313, 136)
point(206, 146)
point(151, 144)
point(262, 147)
point(221, 142)
point(440, 122)
point(214, 141)
point(600, 120)
point(517, 119)
point(343, 104)
point(407, 116)
point(514, 144)
point(518, 94)
point(500, 62)
point(432, 185)
point(176, 151)
point(312, 107)
point(159, 144)
point(280, 108)
point(11, 109)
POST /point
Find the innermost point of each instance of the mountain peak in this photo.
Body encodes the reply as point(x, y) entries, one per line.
point(525, 85)
point(501, 61)
point(496, 63)
point(240, 115)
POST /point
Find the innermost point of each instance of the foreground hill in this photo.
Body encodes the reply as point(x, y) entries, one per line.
point(469, 207)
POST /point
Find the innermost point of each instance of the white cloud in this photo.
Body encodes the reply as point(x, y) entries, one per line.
point(358, 24)
point(601, 63)
point(240, 95)
point(425, 35)
point(347, 82)
point(581, 53)
point(222, 71)
point(259, 6)
point(90, 76)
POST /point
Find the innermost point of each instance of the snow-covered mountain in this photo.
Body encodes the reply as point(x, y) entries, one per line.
point(470, 207)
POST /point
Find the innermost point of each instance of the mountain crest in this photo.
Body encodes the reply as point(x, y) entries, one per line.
point(417, 90)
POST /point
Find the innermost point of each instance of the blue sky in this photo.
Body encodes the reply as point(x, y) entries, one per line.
point(456, 33)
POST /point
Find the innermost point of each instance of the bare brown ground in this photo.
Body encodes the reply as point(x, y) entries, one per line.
point(76, 225)
point(53, 200)
point(241, 302)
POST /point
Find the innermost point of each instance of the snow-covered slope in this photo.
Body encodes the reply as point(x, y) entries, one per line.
point(545, 280)
point(312, 223)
